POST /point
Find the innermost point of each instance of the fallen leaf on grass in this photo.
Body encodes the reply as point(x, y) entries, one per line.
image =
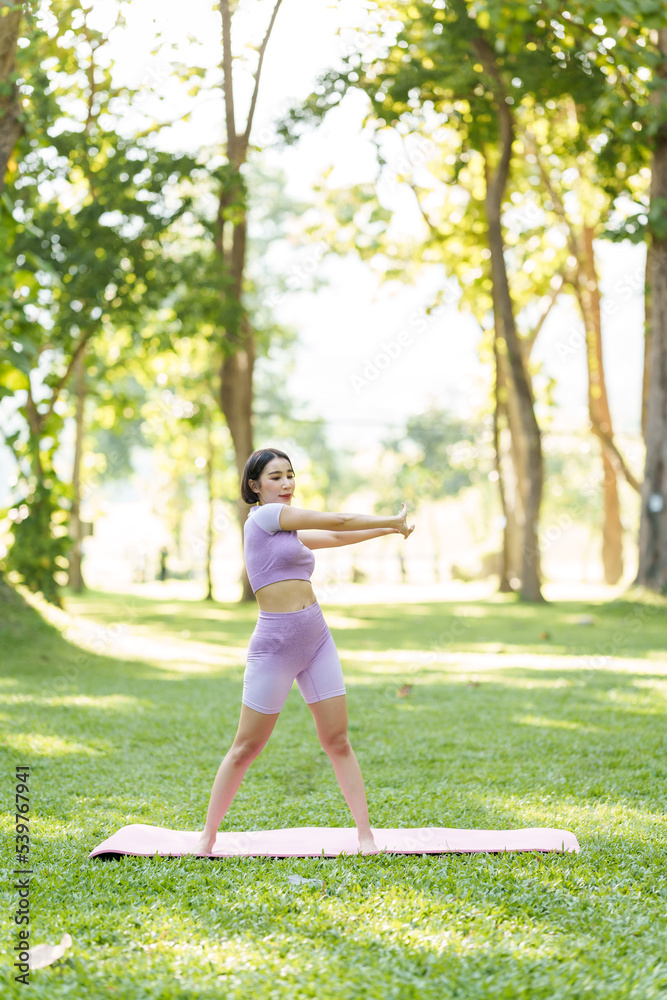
point(404, 691)
point(42, 955)
point(299, 880)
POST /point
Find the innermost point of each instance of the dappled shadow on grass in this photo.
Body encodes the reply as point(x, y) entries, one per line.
point(448, 754)
point(618, 628)
point(131, 741)
point(201, 621)
point(581, 739)
point(507, 747)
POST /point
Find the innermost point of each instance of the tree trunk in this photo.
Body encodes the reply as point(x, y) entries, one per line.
point(506, 467)
point(505, 405)
point(209, 532)
point(236, 391)
point(652, 571)
point(498, 409)
point(646, 381)
point(515, 471)
point(598, 406)
point(10, 126)
point(586, 288)
point(527, 439)
point(76, 528)
point(236, 398)
point(236, 373)
point(401, 567)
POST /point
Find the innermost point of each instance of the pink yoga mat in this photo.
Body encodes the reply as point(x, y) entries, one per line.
point(315, 841)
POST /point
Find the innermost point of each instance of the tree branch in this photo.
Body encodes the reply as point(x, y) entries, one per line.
point(487, 57)
point(157, 126)
point(432, 228)
point(555, 197)
point(615, 456)
point(528, 341)
point(245, 139)
point(413, 187)
point(35, 425)
point(90, 117)
point(227, 81)
point(85, 337)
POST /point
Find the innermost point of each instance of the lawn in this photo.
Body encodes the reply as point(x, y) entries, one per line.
point(508, 715)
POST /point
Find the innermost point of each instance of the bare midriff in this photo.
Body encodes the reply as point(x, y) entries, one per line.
point(286, 595)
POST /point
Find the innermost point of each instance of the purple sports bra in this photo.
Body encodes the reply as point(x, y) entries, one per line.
point(272, 554)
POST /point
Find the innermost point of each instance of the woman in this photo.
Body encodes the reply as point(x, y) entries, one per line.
point(291, 639)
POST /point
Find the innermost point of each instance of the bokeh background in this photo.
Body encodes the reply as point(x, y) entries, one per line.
point(420, 245)
point(320, 276)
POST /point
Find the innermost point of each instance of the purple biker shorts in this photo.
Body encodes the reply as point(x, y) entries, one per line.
point(287, 645)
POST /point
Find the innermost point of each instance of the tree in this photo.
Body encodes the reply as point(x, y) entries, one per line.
point(103, 398)
point(538, 57)
point(462, 65)
point(558, 149)
point(629, 44)
point(89, 208)
point(194, 307)
point(652, 571)
point(528, 439)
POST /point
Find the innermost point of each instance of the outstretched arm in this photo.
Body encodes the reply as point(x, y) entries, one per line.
point(332, 539)
point(297, 519)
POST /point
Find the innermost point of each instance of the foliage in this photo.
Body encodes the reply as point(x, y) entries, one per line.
point(40, 539)
point(585, 101)
point(432, 116)
point(437, 456)
point(107, 239)
point(620, 40)
point(85, 208)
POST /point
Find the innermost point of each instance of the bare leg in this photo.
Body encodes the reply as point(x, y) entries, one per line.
point(251, 736)
point(331, 723)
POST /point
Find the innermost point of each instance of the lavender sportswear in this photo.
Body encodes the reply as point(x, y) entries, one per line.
point(272, 554)
point(287, 645)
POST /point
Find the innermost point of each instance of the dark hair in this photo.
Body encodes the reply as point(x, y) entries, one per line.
point(254, 468)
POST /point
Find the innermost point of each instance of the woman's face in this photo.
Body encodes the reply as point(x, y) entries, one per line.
point(276, 483)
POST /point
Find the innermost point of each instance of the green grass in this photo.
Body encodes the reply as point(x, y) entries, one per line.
point(517, 716)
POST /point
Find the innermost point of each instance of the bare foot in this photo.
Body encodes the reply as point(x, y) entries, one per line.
point(367, 845)
point(204, 845)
